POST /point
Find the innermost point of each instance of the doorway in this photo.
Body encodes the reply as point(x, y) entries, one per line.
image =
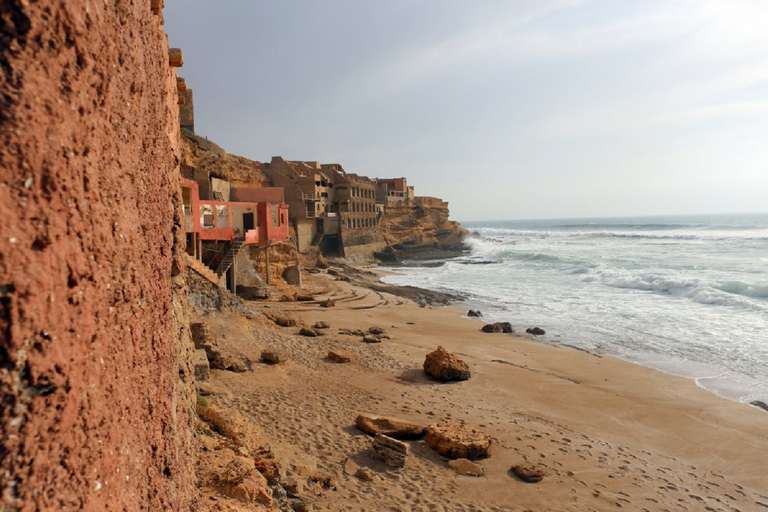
point(248, 222)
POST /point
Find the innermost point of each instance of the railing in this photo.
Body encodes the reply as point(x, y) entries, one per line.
point(310, 197)
point(187, 209)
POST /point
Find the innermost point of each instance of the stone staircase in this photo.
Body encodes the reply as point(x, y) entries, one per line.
point(201, 268)
point(229, 258)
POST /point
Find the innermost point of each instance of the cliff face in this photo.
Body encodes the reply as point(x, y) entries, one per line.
point(207, 156)
point(422, 227)
point(97, 390)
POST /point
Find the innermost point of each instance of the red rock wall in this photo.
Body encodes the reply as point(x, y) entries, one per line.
point(92, 345)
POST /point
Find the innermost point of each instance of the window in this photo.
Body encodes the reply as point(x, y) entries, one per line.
point(208, 220)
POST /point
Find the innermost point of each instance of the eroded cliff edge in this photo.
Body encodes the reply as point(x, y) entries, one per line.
point(97, 390)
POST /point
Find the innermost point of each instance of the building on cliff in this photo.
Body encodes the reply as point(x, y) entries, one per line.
point(330, 209)
point(220, 218)
point(393, 191)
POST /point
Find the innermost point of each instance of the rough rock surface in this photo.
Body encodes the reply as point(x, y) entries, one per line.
point(442, 364)
point(272, 356)
point(531, 473)
point(458, 440)
point(394, 453)
point(421, 228)
point(95, 353)
point(392, 427)
point(340, 356)
point(536, 331)
point(475, 313)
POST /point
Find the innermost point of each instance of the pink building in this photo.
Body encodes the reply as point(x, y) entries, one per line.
point(216, 230)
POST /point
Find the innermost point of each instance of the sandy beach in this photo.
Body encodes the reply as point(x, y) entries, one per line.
point(609, 434)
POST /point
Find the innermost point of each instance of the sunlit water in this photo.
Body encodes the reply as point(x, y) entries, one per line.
point(686, 295)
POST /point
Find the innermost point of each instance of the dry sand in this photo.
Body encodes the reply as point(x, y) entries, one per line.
point(610, 434)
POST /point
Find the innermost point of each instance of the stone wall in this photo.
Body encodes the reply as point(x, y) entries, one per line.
point(97, 391)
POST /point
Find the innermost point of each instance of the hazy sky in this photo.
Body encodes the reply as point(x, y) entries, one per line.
point(506, 109)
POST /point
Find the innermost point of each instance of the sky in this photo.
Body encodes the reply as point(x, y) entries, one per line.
point(513, 109)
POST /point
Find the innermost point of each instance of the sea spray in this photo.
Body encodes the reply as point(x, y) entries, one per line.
point(687, 295)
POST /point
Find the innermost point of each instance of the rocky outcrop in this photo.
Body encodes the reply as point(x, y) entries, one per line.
point(442, 364)
point(536, 331)
point(95, 354)
point(420, 229)
point(392, 427)
point(458, 440)
point(205, 155)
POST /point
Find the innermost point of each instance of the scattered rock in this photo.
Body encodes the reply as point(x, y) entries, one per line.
point(474, 313)
point(272, 356)
point(458, 440)
point(442, 364)
point(376, 330)
point(201, 366)
point(392, 427)
point(340, 356)
point(504, 327)
point(349, 332)
point(333, 272)
point(394, 453)
point(529, 472)
point(364, 474)
point(239, 480)
point(328, 303)
point(536, 331)
point(305, 298)
point(306, 331)
point(229, 363)
point(321, 325)
point(465, 467)
point(284, 321)
point(372, 338)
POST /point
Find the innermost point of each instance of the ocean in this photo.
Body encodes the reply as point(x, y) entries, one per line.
point(687, 295)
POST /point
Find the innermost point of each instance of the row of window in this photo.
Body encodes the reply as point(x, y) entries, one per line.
point(362, 207)
point(362, 223)
point(363, 192)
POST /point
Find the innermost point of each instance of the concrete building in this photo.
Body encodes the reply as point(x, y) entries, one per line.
point(390, 191)
point(329, 208)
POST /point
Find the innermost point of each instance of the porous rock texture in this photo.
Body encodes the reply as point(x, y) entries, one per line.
point(442, 364)
point(458, 440)
point(95, 354)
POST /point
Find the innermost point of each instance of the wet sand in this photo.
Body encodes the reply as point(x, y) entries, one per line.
point(610, 434)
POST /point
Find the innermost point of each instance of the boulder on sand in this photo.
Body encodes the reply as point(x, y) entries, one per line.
point(531, 473)
point(458, 440)
point(394, 453)
point(442, 364)
point(392, 427)
point(504, 327)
